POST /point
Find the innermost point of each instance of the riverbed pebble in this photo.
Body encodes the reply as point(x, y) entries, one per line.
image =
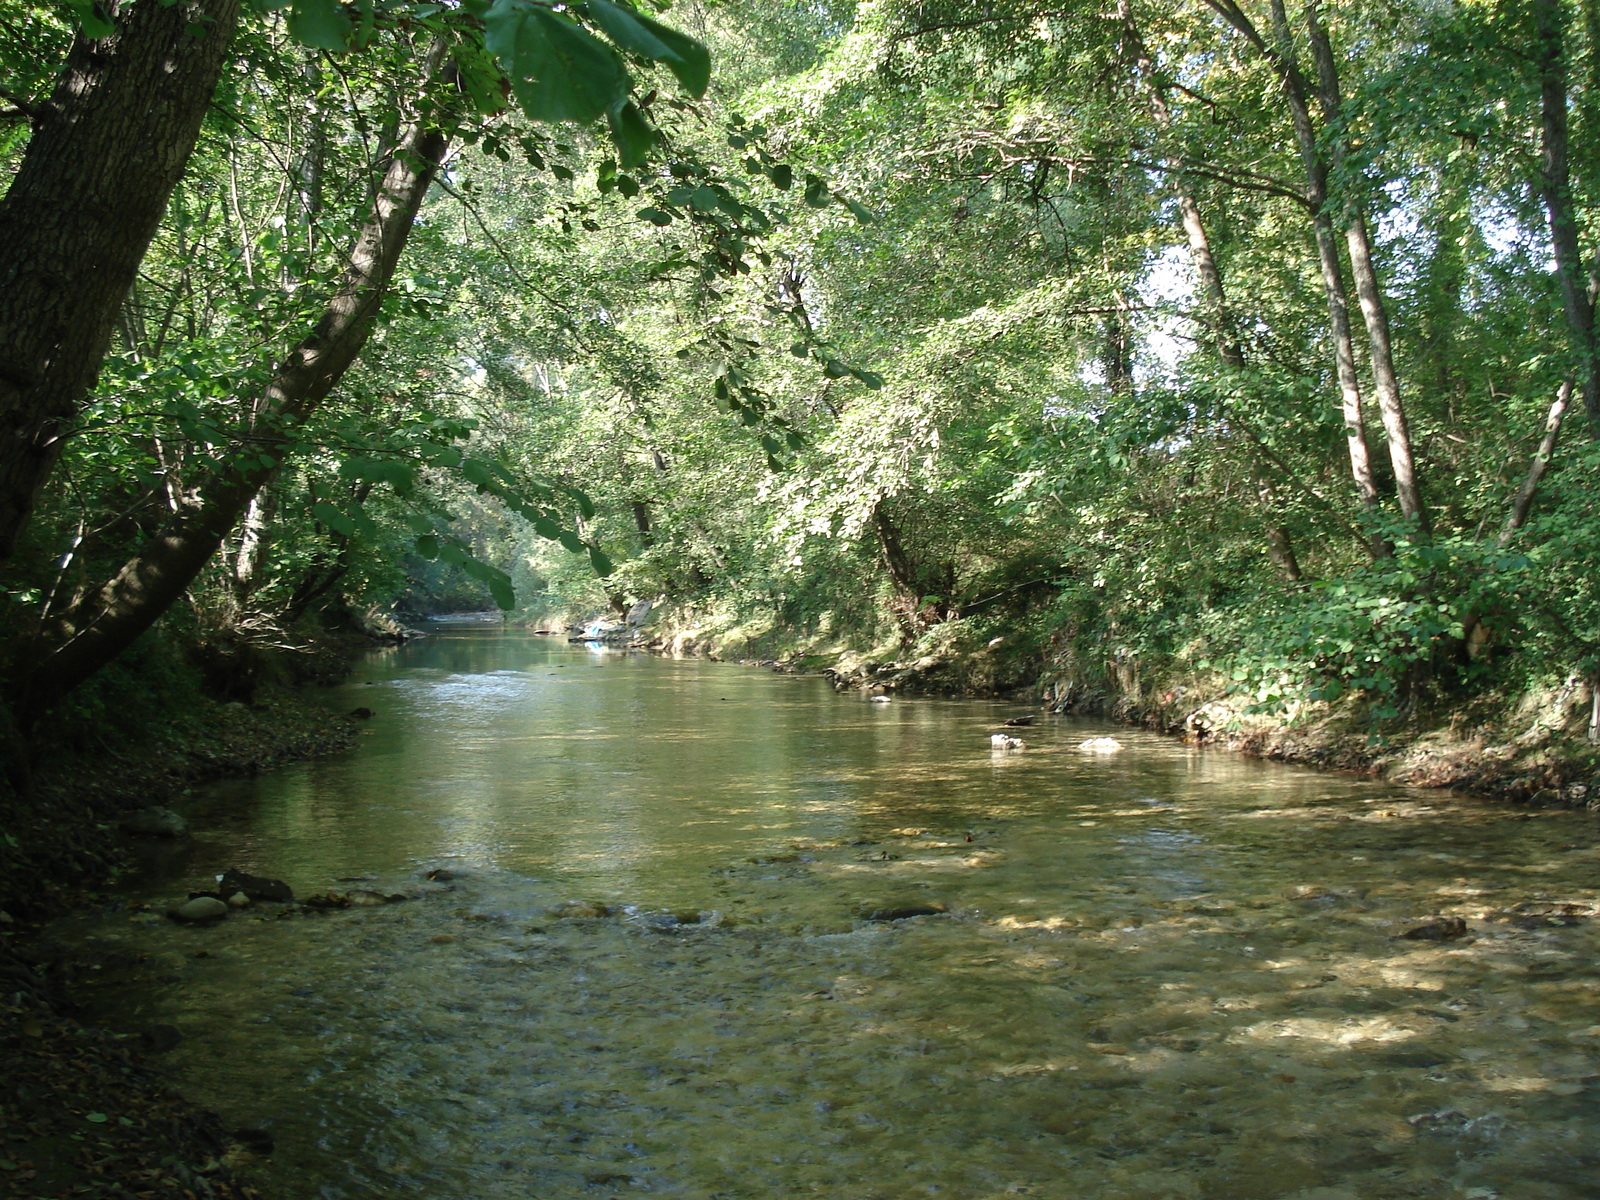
point(201, 910)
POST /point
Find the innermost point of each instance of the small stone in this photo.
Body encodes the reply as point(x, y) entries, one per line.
point(202, 910)
point(361, 714)
point(577, 909)
point(1445, 929)
point(155, 822)
point(906, 912)
point(327, 900)
point(158, 1039)
point(440, 875)
point(361, 898)
point(256, 887)
point(238, 900)
point(257, 1141)
point(442, 939)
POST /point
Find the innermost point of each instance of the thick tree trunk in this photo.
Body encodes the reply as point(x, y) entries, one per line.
point(103, 624)
point(107, 150)
point(1555, 185)
point(1386, 381)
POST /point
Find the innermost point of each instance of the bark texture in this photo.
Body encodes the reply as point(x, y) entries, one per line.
point(107, 150)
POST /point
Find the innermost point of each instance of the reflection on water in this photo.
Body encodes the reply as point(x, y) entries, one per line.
point(1163, 975)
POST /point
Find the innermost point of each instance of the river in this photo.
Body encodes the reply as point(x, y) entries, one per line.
point(1163, 973)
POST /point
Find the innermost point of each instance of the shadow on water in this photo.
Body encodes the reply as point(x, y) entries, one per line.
point(1158, 975)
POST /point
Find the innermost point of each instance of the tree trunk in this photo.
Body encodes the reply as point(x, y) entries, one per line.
point(1296, 94)
point(1374, 313)
point(107, 150)
point(1222, 333)
point(1555, 184)
point(106, 622)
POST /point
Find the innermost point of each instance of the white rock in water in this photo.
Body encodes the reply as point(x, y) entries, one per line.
point(199, 910)
point(1100, 745)
point(238, 900)
point(877, 699)
point(1004, 741)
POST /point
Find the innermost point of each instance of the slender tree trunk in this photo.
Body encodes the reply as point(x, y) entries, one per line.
point(1375, 314)
point(1555, 184)
point(107, 150)
point(106, 622)
point(1523, 504)
point(1296, 94)
point(1222, 332)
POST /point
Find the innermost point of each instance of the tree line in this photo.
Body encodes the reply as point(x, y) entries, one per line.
point(1253, 339)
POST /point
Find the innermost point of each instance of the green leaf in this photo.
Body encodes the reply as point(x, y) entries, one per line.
point(428, 546)
point(505, 596)
point(320, 24)
point(634, 136)
point(800, 350)
point(704, 198)
point(585, 505)
point(655, 216)
point(92, 19)
point(862, 213)
point(558, 71)
point(601, 563)
point(871, 378)
point(571, 541)
point(817, 194)
point(686, 58)
point(338, 521)
point(97, 1118)
point(782, 177)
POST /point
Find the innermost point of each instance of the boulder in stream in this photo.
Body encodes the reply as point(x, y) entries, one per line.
point(1100, 745)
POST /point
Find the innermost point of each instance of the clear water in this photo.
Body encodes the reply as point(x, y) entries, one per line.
point(1164, 974)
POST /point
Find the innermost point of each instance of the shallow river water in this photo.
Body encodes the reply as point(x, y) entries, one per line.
point(1164, 974)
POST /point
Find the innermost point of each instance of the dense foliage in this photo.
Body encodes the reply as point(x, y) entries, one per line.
point(1242, 340)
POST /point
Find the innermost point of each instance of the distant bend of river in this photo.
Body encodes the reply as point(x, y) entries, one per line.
point(1162, 974)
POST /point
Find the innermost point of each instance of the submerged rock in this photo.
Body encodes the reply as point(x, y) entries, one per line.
point(577, 909)
point(158, 1039)
point(1100, 745)
point(906, 912)
point(1018, 722)
point(155, 821)
point(202, 910)
point(440, 875)
point(255, 887)
point(1445, 929)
